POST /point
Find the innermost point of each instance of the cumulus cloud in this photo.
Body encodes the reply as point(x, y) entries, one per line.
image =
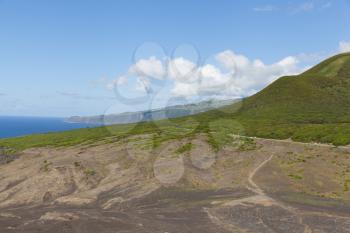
point(144, 70)
point(182, 69)
point(151, 67)
point(239, 76)
point(229, 75)
point(344, 46)
point(121, 80)
point(144, 85)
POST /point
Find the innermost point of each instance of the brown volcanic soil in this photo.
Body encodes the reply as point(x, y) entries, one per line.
point(280, 186)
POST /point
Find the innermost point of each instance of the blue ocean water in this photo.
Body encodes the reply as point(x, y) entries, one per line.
point(20, 126)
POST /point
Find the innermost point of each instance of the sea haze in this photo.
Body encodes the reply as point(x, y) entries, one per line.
point(19, 126)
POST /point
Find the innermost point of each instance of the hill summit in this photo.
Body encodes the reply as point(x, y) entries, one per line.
point(312, 106)
point(319, 95)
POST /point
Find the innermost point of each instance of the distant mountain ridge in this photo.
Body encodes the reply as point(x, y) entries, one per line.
point(156, 114)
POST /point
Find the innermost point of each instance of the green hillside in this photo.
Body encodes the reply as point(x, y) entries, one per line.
point(320, 95)
point(311, 107)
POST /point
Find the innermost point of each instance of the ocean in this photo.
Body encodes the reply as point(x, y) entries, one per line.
point(20, 126)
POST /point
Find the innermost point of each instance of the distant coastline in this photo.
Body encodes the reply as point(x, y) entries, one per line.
point(154, 114)
point(16, 126)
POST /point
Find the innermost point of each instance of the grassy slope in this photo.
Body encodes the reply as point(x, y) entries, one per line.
point(313, 106)
point(320, 95)
point(163, 130)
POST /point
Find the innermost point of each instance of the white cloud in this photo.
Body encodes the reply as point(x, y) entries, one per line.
point(230, 60)
point(121, 80)
point(182, 69)
point(151, 67)
point(185, 89)
point(344, 46)
point(144, 85)
point(228, 75)
point(234, 75)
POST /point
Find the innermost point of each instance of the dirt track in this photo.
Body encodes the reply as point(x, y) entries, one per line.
point(56, 191)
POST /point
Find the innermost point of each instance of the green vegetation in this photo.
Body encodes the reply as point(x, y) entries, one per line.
point(296, 176)
point(311, 107)
point(185, 148)
point(7, 155)
point(89, 172)
point(346, 185)
point(221, 131)
point(246, 144)
point(303, 198)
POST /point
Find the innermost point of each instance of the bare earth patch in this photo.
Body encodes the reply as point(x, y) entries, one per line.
point(280, 186)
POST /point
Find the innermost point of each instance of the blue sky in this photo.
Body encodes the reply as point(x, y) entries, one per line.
point(63, 58)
